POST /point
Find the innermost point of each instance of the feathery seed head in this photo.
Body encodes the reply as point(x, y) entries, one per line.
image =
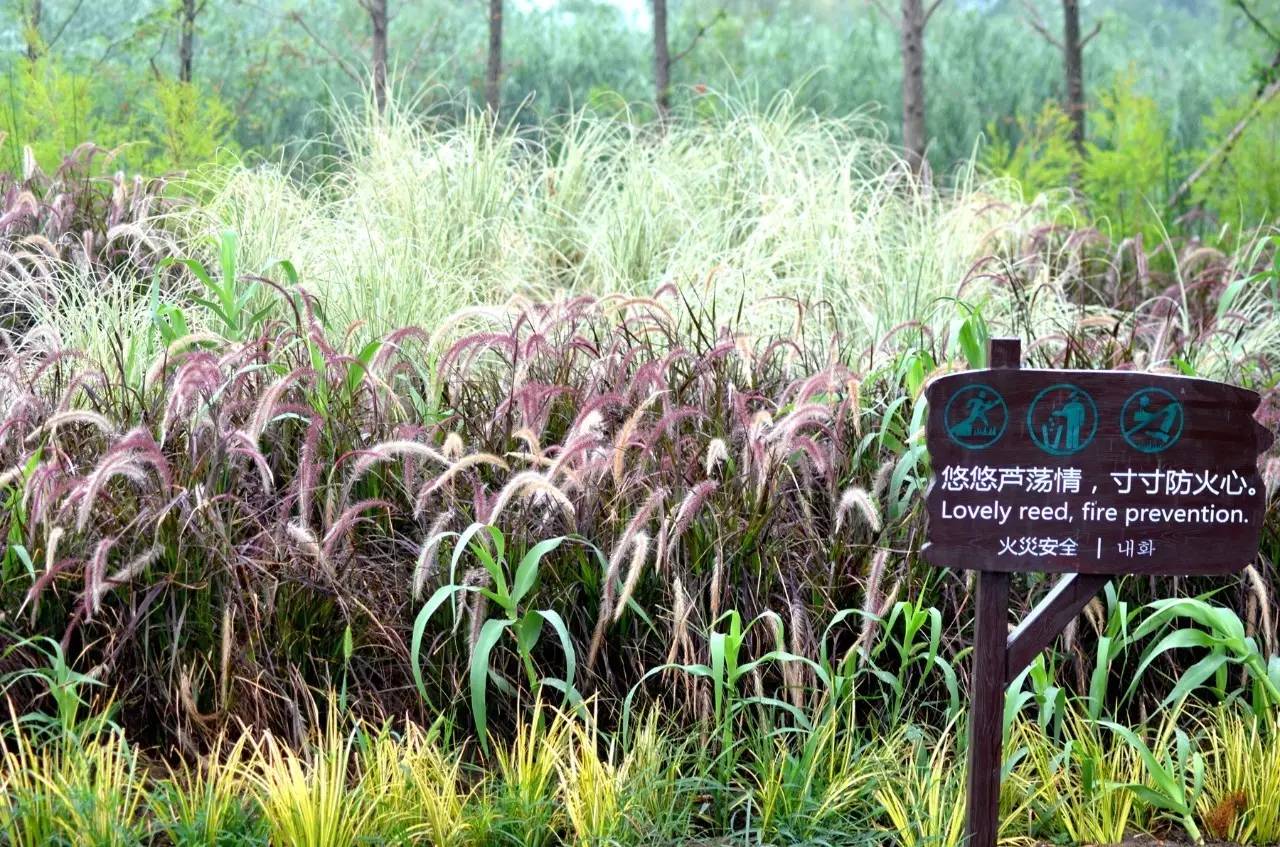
point(857, 498)
point(426, 567)
point(639, 552)
point(305, 540)
point(530, 484)
point(717, 453)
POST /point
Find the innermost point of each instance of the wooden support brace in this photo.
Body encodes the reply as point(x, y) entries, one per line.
point(990, 640)
point(1071, 594)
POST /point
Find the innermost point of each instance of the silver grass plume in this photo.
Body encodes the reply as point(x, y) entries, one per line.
point(628, 428)
point(1258, 589)
point(530, 484)
point(872, 600)
point(679, 620)
point(426, 566)
point(717, 454)
point(95, 575)
point(717, 578)
point(639, 554)
point(857, 498)
point(420, 503)
point(127, 573)
point(384, 452)
point(631, 539)
point(304, 539)
point(97, 421)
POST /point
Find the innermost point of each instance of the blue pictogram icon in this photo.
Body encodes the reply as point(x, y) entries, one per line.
point(1151, 420)
point(1062, 419)
point(976, 416)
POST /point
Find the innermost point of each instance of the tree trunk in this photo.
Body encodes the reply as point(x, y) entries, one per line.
point(493, 70)
point(377, 10)
point(661, 60)
point(32, 27)
point(913, 127)
point(1073, 61)
point(186, 39)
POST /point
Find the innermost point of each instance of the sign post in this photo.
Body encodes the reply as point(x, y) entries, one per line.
point(1089, 474)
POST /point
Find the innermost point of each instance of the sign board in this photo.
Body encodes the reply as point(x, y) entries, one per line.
point(1105, 472)
point(1088, 474)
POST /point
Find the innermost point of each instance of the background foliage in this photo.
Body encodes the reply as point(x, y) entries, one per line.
point(402, 476)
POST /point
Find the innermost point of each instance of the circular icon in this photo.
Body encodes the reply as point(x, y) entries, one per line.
point(1062, 419)
point(975, 416)
point(1151, 420)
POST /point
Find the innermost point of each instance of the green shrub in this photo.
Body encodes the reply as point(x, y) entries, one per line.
point(163, 126)
point(1129, 165)
point(51, 110)
point(1039, 155)
point(1242, 189)
point(187, 127)
point(1125, 175)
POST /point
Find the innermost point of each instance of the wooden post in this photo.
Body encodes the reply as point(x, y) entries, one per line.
point(990, 642)
point(986, 713)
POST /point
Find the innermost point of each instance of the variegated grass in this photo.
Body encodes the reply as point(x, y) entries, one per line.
point(86, 791)
point(1241, 799)
point(310, 798)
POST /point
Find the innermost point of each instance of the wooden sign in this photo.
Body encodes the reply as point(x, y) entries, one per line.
point(1085, 473)
point(1093, 472)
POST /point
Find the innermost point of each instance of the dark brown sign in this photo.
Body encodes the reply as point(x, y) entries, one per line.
point(1084, 473)
point(1101, 472)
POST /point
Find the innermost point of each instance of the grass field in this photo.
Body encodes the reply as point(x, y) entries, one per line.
point(474, 486)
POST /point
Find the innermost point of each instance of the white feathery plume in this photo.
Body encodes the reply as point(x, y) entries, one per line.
point(691, 503)
point(126, 573)
point(1258, 588)
point(639, 554)
point(305, 539)
point(425, 567)
point(96, 420)
point(121, 464)
point(855, 497)
point(530, 439)
point(717, 578)
point(456, 468)
point(592, 424)
point(95, 573)
point(679, 619)
point(624, 435)
point(529, 483)
point(884, 474)
point(386, 451)
point(266, 407)
point(10, 475)
point(1271, 476)
point(177, 346)
point(453, 446)
point(51, 553)
point(872, 600)
point(717, 454)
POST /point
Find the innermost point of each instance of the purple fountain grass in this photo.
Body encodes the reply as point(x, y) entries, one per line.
point(691, 505)
point(278, 483)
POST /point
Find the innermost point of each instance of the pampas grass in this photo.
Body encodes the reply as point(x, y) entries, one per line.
point(767, 204)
